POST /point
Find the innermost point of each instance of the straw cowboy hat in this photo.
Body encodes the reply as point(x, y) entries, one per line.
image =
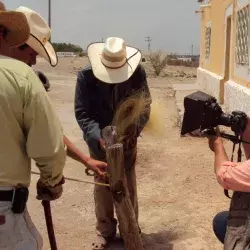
point(113, 62)
point(16, 25)
point(40, 34)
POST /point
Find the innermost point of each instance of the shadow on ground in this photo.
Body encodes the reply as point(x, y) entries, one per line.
point(154, 241)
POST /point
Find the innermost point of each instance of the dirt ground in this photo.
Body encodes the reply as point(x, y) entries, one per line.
point(177, 189)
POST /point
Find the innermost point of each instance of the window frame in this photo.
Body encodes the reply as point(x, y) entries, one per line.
point(240, 70)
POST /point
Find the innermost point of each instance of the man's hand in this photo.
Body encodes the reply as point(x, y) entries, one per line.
point(49, 193)
point(102, 144)
point(216, 145)
point(99, 167)
point(215, 140)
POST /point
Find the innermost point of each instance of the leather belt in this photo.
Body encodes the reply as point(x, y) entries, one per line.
point(6, 195)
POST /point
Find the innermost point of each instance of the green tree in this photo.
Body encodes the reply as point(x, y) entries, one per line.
point(67, 47)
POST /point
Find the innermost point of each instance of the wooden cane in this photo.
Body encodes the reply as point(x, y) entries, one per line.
point(49, 224)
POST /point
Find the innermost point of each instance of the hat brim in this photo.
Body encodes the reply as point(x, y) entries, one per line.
point(109, 75)
point(44, 50)
point(17, 26)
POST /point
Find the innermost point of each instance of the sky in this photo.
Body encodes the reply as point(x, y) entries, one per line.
point(172, 25)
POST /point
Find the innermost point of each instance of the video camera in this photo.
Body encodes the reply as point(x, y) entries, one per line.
point(204, 113)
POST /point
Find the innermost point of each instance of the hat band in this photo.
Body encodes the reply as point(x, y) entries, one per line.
point(113, 59)
point(113, 62)
point(110, 66)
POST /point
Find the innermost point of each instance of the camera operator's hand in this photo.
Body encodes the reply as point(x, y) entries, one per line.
point(215, 140)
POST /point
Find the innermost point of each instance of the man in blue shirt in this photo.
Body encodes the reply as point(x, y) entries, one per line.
point(114, 75)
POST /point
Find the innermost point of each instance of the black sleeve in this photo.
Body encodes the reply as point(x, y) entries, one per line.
point(85, 118)
point(145, 116)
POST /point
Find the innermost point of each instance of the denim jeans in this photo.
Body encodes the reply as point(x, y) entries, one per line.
point(17, 231)
point(220, 225)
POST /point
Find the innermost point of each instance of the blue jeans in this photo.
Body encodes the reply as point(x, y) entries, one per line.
point(220, 225)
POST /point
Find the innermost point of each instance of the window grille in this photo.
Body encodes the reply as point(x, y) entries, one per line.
point(242, 36)
point(208, 42)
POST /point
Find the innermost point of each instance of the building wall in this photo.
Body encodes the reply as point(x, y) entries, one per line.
point(211, 71)
point(237, 92)
point(209, 81)
point(240, 74)
point(216, 16)
point(237, 97)
point(229, 83)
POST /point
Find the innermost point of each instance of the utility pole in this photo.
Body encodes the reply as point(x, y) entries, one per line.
point(192, 49)
point(148, 39)
point(49, 14)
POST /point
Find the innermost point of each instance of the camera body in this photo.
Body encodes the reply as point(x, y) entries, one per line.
point(202, 111)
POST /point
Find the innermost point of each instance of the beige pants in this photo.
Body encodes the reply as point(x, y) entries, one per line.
point(238, 223)
point(106, 223)
point(17, 231)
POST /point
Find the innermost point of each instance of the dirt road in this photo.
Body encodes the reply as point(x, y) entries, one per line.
point(178, 193)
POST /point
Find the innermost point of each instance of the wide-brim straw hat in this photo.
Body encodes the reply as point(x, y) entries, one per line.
point(113, 62)
point(16, 24)
point(40, 34)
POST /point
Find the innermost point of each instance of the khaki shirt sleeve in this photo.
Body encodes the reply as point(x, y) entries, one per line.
point(44, 132)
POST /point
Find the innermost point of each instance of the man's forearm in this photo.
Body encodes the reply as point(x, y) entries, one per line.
point(220, 157)
point(74, 153)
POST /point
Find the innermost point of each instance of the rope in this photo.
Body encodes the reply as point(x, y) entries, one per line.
point(78, 180)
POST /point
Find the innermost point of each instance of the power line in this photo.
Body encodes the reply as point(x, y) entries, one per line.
point(149, 40)
point(49, 14)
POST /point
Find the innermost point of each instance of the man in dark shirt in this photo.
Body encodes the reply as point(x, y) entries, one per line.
point(114, 75)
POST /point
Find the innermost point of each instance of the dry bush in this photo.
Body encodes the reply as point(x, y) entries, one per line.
point(135, 106)
point(158, 61)
point(82, 54)
point(129, 112)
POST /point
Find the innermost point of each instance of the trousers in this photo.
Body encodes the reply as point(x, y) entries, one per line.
point(238, 223)
point(220, 225)
point(104, 209)
point(17, 231)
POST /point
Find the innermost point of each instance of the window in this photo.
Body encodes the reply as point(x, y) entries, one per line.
point(207, 42)
point(242, 37)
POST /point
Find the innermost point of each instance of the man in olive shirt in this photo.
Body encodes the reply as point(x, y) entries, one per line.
point(38, 44)
point(30, 129)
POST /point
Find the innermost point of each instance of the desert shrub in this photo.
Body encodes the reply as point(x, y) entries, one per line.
point(158, 61)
